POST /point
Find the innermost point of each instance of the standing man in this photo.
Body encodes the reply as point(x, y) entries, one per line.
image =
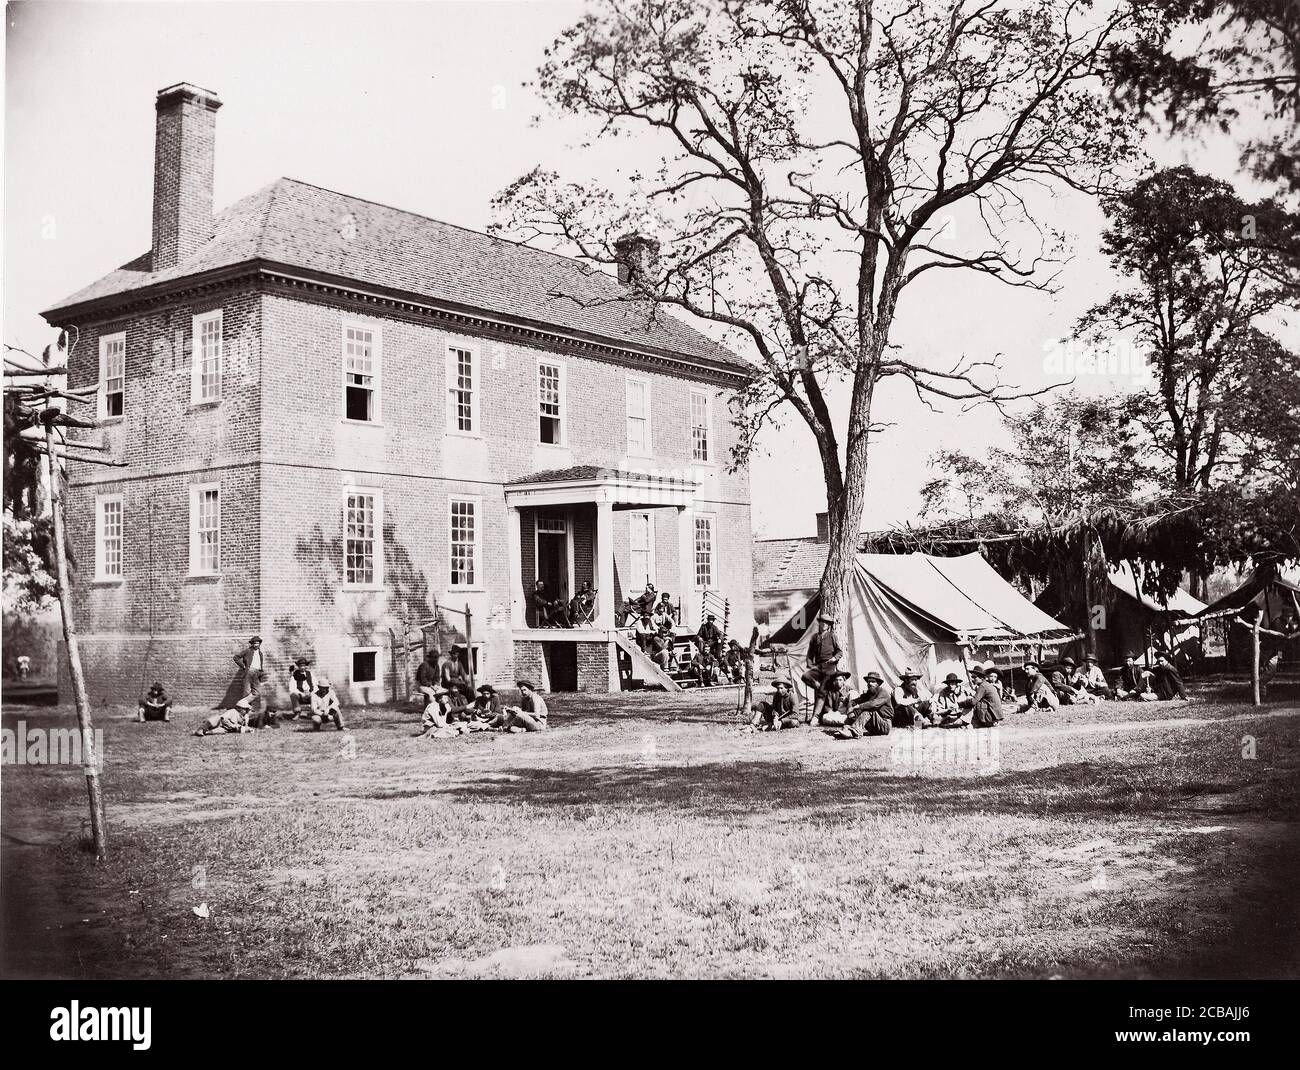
point(823, 659)
point(253, 662)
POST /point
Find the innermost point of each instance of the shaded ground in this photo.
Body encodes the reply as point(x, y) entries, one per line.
point(645, 836)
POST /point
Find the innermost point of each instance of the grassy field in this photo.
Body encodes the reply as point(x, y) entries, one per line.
point(646, 836)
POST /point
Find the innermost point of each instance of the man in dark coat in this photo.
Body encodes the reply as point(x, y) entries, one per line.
point(778, 711)
point(986, 708)
point(710, 637)
point(302, 683)
point(871, 712)
point(455, 676)
point(823, 659)
point(1166, 680)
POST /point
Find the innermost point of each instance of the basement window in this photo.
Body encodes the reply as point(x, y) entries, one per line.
point(365, 665)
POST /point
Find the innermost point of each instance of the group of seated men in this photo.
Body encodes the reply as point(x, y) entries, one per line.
point(551, 612)
point(713, 658)
point(875, 709)
point(452, 707)
point(310, 697)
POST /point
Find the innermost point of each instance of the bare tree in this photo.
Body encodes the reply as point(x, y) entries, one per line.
point(818, 159)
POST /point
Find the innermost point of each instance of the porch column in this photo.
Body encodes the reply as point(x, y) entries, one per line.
point(603, 565)
point(514, 552)
point(686, 566)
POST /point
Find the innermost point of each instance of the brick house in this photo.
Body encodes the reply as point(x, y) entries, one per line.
point(337, 417)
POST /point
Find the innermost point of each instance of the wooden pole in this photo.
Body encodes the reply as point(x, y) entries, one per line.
point(1254, 658)
point(1089, 631)
point(89, 757)
point(469, 646)
point(747, 696)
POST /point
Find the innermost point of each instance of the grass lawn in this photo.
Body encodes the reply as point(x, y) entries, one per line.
point(644, 835)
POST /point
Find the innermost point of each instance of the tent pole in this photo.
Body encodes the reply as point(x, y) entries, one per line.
point(1254, 659)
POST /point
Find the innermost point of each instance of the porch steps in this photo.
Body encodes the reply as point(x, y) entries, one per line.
point(643, 668)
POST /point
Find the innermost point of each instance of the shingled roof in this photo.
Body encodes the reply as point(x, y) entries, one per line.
point(789, 564)
point(296, 225)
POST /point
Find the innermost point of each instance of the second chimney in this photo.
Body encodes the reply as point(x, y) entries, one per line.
point(183, 159)
point(638, 259)
point(823, 527)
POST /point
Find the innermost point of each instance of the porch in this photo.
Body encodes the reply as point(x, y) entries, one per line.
point(561, 530)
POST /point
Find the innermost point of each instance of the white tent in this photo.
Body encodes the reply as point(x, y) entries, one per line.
point(918, 611)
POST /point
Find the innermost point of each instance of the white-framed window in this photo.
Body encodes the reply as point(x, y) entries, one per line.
point(363, 542)
point(205, 368)
point(365, 665)
point(638, 416)
point(108, 537)
point(701, 427)
point(462, 390)
point(362, 354)
point(552, 424)
point(205, 529)
point(464, 539)
point(641, 543)
point(704, 550)
point(112, 375)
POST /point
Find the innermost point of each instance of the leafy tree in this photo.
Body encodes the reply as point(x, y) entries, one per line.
point(1205, 272)
point(28, 535)
point(819, 158)
point(1244, 56)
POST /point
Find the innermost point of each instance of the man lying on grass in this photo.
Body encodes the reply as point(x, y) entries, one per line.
point(233, 721)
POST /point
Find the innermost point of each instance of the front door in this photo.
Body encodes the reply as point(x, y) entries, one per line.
point(553, 555)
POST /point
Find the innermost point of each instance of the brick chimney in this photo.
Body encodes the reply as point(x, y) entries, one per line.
point(823, 527)
point(638, 259)
point(182, 172)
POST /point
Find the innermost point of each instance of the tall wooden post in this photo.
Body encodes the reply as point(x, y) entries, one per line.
point(89, 756)
point(469, 646)
point(1089, 631)
point(1254, 658)
point(747, 696)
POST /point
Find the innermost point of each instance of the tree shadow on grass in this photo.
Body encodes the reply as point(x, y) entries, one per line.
point(724, 790)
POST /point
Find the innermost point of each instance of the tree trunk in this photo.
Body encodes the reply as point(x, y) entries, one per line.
point(89, 755)
point(1089, 594)
point(1254, 660)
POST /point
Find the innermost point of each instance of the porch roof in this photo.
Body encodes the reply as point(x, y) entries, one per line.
point(593, 483)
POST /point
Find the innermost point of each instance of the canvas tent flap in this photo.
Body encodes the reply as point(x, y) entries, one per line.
point(1181, 603)
point(1253, 586)
point(972, 574)
point(915, 579)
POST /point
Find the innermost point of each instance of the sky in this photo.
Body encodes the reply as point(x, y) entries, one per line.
point(425, 106)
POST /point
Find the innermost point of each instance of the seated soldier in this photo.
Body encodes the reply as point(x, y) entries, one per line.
point(1168, 684)
point(778, 711)
point(644, 630)
point(1060, 681)
point(1133, 679)
point(541, 603)
point(1091, 679)
point(871, 711)
point(986, 703)
point(233, 720)
point(436, 712)
point(911, 701)
point(835, 700)
point(952, 704)
point(664, 610)
point(454, 675)
point(582, 607)
point(660, 646)
point(645, 601)
point(528, 716)
point(1039, 693)
point(485, 708)
point(428, 678)
point(710, 637)
point(823, 659)
point(733, 662)
point(325, 706)
point(156, 705)
point(301, 685)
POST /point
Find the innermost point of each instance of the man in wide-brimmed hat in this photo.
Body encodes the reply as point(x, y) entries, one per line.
point(823, 658)
point(871, 711)
point(986, 702)
point(528, 716)
point(325, 708)
point(778, 710)
point(835, 700)
point(912, 701)
point(952, 703)
point(485, 708)
point(1039, 693)
point(1092, 679)
point(436, 710)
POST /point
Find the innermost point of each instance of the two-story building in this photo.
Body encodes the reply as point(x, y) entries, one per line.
point(338, 418)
